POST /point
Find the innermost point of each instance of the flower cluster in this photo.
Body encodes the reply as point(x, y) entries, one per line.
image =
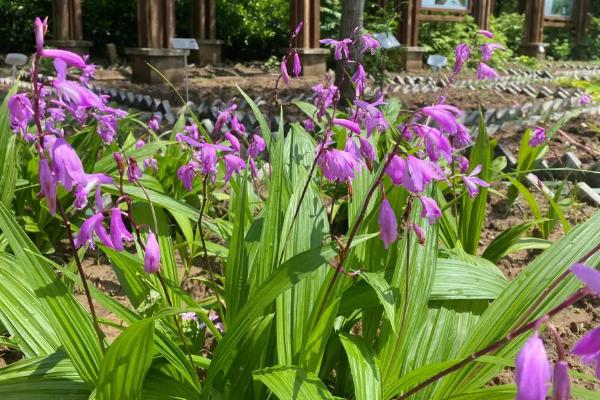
point(40, 118)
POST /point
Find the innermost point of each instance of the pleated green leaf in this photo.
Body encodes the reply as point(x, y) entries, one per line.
point(8, 153)
point(385, 294)
point(455, 279)
point(50, 377)
point(290, 382)
point(126, 363)
point(365, 368)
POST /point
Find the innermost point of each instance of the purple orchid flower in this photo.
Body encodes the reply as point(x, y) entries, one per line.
point(340, 46)
point(436, 143)
point(444, 115)
point(338, 165)
point(192, 131)
point(347, 124)
point(154, 123)
point(532, 374)
point(561, 385)
point(430, 210)
point(151, 163)
point(488, 49)
point(189, 316)
point(395, 169)
point(134, 172)
point(484, 71)
point(20, 112)
point(257, 146)
point(235, 143)
point(538, 137)
point(585, 100)
point(66, 164)
point(65, 56)
point(461, 137)
point(40, 27)
point(85, 185)
point(152, 256)
point(388, 225)
point(308, 125)
point(588, 347)
point(418, 231)
point(487, 34)
point(462, 54)
point(187, 173)
point(419, 173)
point(297, 65)
point(73, 93)
point(233, 164)
point(284, 72)
point(139, 144)
point(369, 43)
point(359, 79)
point(324, 97)
point(372, 117)
point(118, 231)
point(90, 226)
point(48, 184)
point(472, 182)
point(366, 149)
point(350, 147)
point(463, 164)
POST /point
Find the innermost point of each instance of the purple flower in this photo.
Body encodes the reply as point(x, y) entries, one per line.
point(257, 146)
point(67, 57)
point(461, 137)
point(359, 79)
point(538, 137)
point(371, 116)
point(369, 43)
point(236, 126)
point(73, 93)
point(587, 275)
point(463, 164)
point(532, 373)
point(585, 100)
point(418, 231)
point(118, 231)
point(561, 385)
point(309, 125)
point(444, 115)
point(235, 143)
point(207, 156)
point(419, 173)
point(462, 54)
point(338, 165)
point(85, 185)
point(472, 182)
point(436, 143)
point(187, 173)
point(21, 112)
point(588, 347)
point(66, 164)
point(395, 169)
point(284, 72)
point(154, 123)
point(487, 34)
point(324, 97)
point(139, 144)
point(192, 131)
point(48, 184)
point(233, 164)
point(351, 147)
point(134, 173)
point(189, 316)
point(430, 209)
point(488, 49)
point(297, 65)
point(151, 163)
point(298, 29)
point(152, 256)
point(366, 149)
point(90, 226)
point(340, 46)
point(107, 127)
point(486, 72)
point(40, 27)
point(344, 123)
point(388, 226)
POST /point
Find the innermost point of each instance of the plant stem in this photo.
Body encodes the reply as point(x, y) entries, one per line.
point(84, 283)
point(581, 293)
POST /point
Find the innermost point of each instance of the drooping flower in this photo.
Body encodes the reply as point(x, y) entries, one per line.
point(369, 43)
point(20, 111)
point(284, 72)
point(233, 164)
point(40, 27)
point(560, 381)
point(118, 231)
point(134, 172)
point(189, 316)
point(345, 123)
point(66, 164)
point(436, 143)
point(340, 47)
point(48, 184)
point(309, 125)
point(237, 126)
point(430, 210)
point(462, 54)
point(585, 100)
point(154, 123)
point(139, 144)
point(372, 117)
point(90, 226)
point(484, 71)
point(257, 146)
point(395, 169)
point(85, 185)
point(338, 165)
point(538, 137)
point(463, 164)
point(297, 65)
point(359, 79)
point(351, 147)
point(444, 115)
point(532, 374)
point(186, 174)
point(152, 256)
point(65, 56)
point(419, 173)
point(588, 347)
point(388, 226)
point(298, 29)
point(72, 93)
point(487, 34)
point(418, 231)
point(366, 149)
point(324, 97)
point(488, 49)
point(587, 275)
point(235, 143)
point(151, 163)
point(472, 182)
point(461, 137)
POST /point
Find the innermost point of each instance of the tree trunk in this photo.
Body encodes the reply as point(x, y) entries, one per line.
point(352, 17)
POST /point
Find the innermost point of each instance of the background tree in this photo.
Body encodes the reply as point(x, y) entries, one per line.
point(352, 17)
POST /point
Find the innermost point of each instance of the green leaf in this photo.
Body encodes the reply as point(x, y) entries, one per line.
point(262, 122)
point(9, 154)
point(456, 279)
point(384, 293)
point(365, 368)
point(126, 363)
point(50, 377)
point(502, 243)
point(290, 382)
point(414, 377)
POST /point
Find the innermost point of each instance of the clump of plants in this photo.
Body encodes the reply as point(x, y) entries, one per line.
point(341, 255)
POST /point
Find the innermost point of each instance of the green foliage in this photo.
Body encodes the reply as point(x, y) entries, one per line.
point(508, 29)
point(443, 37)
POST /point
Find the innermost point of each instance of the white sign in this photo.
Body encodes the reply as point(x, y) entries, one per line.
point(184, 43)
point(386, 40)
point(446, 5)
point(558, 9)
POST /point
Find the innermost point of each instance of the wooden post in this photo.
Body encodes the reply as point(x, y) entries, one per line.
point(313, 58)
point(67, 27)
point(533, 45)
point(581, 18)
point(156, 28)
point(408, 31)
point(204, 29)
point(482, 9)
